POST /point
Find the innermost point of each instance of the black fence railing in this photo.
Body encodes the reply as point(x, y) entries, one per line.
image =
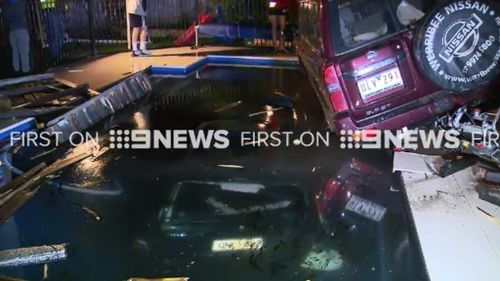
point(74, 29)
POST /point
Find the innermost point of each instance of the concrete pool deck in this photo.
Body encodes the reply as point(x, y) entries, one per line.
point(99, 72)
point(458, 240)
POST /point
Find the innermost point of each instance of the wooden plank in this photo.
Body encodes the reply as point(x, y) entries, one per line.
point(21, 179)
point(25, 79)
point(24, 91)
point(63, 163)
point(20, 195)
point(74, 85)
point(80, 90)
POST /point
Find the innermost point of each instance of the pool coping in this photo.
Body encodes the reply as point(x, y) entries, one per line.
point(223, 60)
point(19, 127)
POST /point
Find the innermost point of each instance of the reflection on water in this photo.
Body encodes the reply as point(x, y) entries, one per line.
point(244, 213)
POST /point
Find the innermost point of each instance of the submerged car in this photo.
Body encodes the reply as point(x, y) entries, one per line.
point(388, 64)
point(246, 225)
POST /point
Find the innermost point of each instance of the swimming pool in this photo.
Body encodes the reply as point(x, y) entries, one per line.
point(131, 240)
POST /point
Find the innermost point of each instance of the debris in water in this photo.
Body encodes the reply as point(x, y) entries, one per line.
point(159, 279)
point(45, 271)
point(93, 213)
point(228, 106)
point(98, 153)
point(230, 166)
point(324, 260)
point(32, 255)
point(43, 154)
point(269, 111)
point(392, 189)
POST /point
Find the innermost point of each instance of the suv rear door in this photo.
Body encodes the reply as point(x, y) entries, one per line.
point(377, 74)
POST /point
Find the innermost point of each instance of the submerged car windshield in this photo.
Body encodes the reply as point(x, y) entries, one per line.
point(358, 22)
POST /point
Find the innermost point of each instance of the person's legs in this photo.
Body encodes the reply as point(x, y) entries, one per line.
point(282, 23)
point(144, 38)
point(13, 38)
point(24, 50)
point(274, 28)
point(135, 38)
point(135, 24)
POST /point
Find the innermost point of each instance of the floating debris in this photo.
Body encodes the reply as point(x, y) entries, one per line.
point(268, 112)
point(99, 153)
point(33, 255)
point(228, 106)
point(230, 166)
point(325, 260)
point(392, 189)
point(93, 213)
point(159, 279)
point(43, 153)
point(45, 271)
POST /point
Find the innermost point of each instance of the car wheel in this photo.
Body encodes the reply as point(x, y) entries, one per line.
point(458, 44)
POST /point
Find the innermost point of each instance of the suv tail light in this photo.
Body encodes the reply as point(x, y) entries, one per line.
point(333, 86)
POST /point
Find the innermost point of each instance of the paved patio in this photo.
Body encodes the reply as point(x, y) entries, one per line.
point(105, 70)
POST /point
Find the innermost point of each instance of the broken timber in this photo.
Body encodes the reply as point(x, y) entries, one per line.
point(27, 186)
point(100, 107)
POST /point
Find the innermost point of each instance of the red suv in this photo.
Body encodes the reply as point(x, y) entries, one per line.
point(387, 64)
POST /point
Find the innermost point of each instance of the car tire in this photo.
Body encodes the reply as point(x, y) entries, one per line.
point(458, 44)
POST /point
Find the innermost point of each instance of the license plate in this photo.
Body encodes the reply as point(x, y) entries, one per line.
point(237, 244)
point(380, 83)
point(366, 208)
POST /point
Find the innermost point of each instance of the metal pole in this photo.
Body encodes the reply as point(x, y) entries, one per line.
point(196, 37)
point(127, 18)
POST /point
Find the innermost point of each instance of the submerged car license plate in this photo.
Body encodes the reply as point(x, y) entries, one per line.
point(379, 83)
point(366, 208)
point(237, 244)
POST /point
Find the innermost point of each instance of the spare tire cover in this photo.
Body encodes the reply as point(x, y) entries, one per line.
point(458, 45)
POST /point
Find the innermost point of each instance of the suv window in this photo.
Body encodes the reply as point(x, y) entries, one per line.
point(358, 22)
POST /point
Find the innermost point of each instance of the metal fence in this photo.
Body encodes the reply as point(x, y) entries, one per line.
point(74, 29)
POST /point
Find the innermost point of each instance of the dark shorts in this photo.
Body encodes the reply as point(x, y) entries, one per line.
point(278, 12)
point(137, 21)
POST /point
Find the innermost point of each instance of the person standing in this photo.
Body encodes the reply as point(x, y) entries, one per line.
point(136, 10)
point(14, 13)
point(277, 11)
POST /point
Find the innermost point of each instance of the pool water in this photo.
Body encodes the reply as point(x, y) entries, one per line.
point(127, 241)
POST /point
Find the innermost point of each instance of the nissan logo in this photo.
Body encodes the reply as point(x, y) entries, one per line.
point(371, 55)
